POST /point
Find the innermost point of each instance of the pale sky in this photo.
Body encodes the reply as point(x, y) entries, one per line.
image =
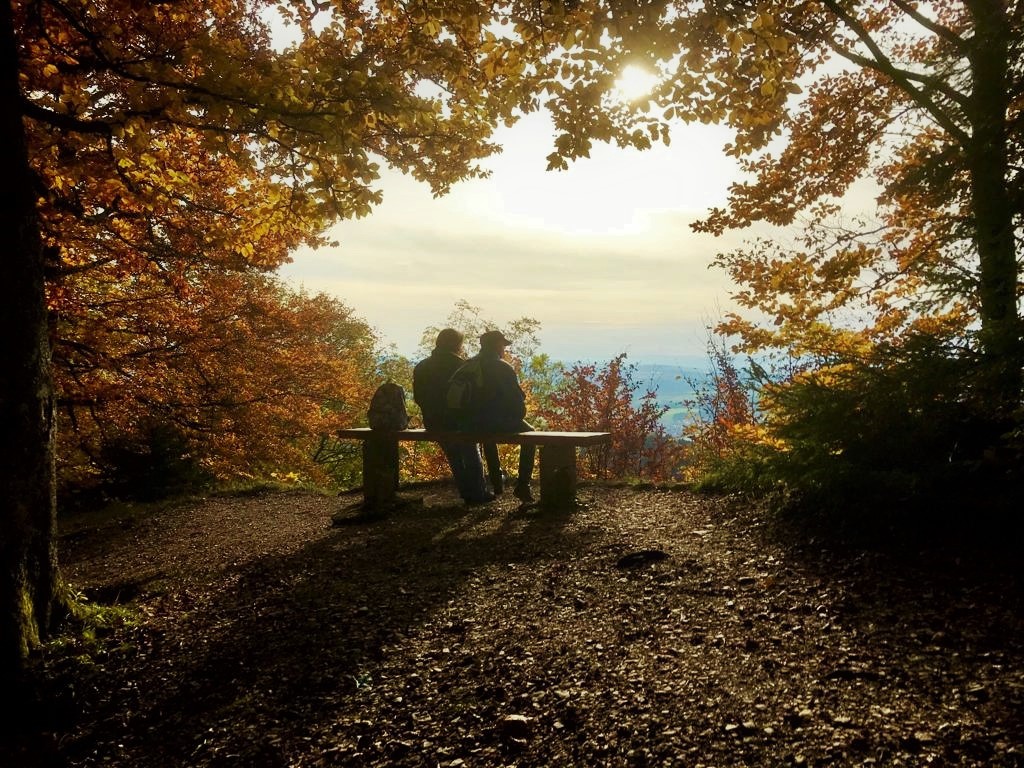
point(602, 255)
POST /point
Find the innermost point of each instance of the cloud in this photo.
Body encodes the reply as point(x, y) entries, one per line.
point(603, 255)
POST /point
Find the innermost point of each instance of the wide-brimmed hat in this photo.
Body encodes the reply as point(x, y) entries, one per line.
point(494, 338)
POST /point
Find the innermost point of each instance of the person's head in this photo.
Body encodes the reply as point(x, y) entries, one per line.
point(449, 340)
point(493, 341)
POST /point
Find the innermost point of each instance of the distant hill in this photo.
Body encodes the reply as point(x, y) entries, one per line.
point(671, 382)
point(675, 386)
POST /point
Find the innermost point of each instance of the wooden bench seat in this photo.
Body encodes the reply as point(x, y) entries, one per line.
point(557, 458)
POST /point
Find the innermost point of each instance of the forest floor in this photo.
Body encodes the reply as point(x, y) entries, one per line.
point(646, 628)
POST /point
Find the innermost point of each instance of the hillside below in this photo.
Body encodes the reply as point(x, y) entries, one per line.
point(646, 628)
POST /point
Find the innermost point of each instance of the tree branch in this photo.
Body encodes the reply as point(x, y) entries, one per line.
point(944, 32)
point(61, 120)
point(880, 62)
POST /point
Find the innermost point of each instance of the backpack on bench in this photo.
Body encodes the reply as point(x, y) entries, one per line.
point(464, 388)
point(387, 408)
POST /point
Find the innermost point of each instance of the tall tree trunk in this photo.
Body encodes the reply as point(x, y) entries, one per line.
point(992, 207)
point(28, 554)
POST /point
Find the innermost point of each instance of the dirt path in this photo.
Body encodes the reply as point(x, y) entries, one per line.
point(647, 628)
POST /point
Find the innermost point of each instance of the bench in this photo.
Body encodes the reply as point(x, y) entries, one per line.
point(557, 458)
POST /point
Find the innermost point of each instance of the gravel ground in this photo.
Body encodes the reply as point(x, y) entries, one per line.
point(646, 628)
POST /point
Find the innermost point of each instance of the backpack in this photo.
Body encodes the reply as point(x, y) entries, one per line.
point(464, 387)
point(387, 408)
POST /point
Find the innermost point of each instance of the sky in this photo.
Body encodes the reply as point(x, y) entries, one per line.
point(602, 255)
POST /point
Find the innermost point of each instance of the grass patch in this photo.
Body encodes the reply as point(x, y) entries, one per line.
point(244, 489)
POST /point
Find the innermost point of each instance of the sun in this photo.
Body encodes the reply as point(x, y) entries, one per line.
point(634, 83)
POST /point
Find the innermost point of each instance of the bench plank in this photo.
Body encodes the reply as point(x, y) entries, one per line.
point(557, 458)
point(477, 436)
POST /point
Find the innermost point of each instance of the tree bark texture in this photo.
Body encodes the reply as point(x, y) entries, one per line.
point(28, 554)
point(988, 163)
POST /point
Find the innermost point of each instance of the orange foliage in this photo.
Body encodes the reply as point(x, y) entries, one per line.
point(724, 416)
point(177, 150)
point(249, 374)
point(590, 398)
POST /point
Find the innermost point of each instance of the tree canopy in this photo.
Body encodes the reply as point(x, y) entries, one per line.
point(916, 302)
point(921, 99)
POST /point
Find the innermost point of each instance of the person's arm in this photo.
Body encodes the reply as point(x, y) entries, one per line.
point(512, 395)
point(419, 394)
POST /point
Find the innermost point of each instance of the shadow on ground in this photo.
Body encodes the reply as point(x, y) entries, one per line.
point(274, 645)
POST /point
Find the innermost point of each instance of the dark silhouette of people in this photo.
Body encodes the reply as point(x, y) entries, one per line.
point(429, 387)
point(501, 407)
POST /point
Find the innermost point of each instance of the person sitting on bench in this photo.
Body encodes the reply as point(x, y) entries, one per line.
point(429, 384)
point(501, 407)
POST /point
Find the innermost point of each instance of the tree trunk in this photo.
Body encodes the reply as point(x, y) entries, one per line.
point(991, 204)
point(28, 554)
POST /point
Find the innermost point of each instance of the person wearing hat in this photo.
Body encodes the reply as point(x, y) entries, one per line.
point(501, 407)
point(429, 386)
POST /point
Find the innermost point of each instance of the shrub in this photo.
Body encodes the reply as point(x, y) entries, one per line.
point(152, 464)
point(904, 430)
